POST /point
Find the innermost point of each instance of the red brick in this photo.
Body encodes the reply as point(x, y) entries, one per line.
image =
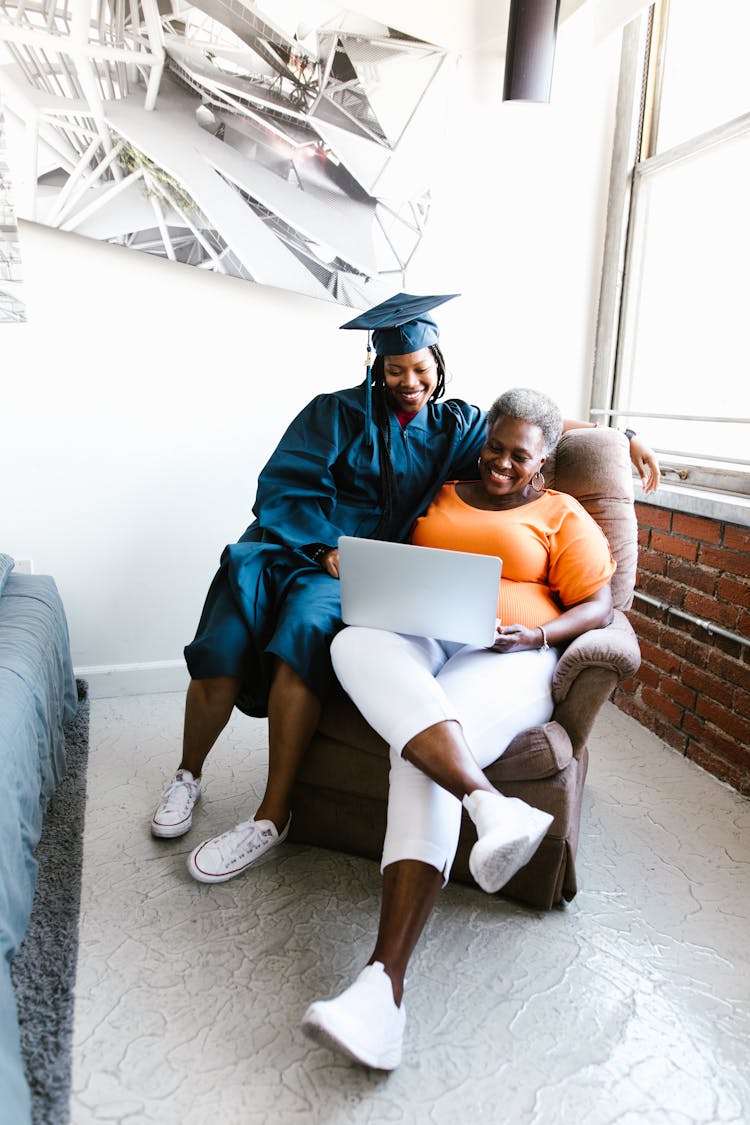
point(660, 657)
point(742, 703)
point(731, 562)
point(725, 719)
point(743, 624)
point(647, 718)
point(629, 686)
point(677, 691)
point(644, 537)
point(708, 685)
point(732, 671)
point(693, 725)
point(696, 527)
point(657, 587)
point(629, 705)
point(664, 706)
point(655, 564)
point(644, 626)
point(731, 648)
point(671, 545)
point(713, 764)
point(673, 736)
point(718, 743)
point(737, 537)
point(648, 675)
point(711, 610)
point(690, 574)
point(733, 590)
point(683, 644)
point(648, 611)
point(649, 516)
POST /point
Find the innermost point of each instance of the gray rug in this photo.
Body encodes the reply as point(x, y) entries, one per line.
point(44, 969)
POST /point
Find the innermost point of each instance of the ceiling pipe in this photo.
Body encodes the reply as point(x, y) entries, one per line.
point(530, 54)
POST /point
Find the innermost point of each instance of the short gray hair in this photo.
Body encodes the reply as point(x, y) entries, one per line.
point(530, 406)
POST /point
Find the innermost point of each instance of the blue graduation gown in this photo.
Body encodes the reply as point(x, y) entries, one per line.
point(322, 481)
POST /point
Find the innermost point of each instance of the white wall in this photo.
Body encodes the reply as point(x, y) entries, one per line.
point(142, 398)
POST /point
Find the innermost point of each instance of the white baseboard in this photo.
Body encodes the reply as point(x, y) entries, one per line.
point(108, 680)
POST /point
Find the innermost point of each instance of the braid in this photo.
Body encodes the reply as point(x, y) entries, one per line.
point(440, 362)
point(381, 415)
point(383, 426)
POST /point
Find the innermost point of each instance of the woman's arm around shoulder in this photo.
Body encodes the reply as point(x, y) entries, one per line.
point(642, 455)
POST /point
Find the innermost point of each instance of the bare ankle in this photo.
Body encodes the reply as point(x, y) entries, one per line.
point(278, 817)
point(196, 773)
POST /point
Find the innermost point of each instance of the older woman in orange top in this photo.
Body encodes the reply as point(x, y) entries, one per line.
point(448, 710)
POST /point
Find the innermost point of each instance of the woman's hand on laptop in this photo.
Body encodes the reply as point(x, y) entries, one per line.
point(330, 562)
point(514, 638)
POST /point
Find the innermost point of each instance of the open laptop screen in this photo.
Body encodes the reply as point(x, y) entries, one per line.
point(425, 591)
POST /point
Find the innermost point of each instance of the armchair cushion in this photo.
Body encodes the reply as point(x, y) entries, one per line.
point(535, 753)
point(614, 648)
point(594, 466)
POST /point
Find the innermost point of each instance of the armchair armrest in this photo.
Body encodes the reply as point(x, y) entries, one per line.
point(614, 648)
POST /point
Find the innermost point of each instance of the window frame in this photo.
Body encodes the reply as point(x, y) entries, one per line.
point(691, 483)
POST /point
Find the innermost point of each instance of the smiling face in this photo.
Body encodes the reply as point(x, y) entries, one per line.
point(512, 454)
point(410, 380)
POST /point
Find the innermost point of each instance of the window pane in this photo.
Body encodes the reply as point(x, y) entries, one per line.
point(684, 345)
point(706, 70)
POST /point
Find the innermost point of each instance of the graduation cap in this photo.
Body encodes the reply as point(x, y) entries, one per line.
point(399, 326)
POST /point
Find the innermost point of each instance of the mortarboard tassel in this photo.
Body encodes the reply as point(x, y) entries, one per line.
point(368, 394)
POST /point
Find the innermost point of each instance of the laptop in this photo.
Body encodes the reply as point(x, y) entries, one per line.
point(426, 591)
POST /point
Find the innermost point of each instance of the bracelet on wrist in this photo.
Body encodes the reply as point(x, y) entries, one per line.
point(544, 647)
point(317, 555)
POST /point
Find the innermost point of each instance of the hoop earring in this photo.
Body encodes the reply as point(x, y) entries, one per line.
point(538, 487)
point(479, 464)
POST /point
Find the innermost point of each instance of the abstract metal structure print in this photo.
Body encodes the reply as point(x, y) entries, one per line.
point(227, 134)
point(11, 305)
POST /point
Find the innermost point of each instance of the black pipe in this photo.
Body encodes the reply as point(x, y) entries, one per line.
point(530, 54)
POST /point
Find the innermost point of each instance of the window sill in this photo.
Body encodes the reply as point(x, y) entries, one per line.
point(727, 507)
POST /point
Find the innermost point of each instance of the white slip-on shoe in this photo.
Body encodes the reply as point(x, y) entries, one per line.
point(509, 831)
point(174, 813)
point(246, 845)
point(363, 1022)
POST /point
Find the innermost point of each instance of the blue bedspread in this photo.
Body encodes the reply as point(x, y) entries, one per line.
point(37, 696)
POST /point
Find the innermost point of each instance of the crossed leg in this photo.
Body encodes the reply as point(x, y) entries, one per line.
point(421, 697)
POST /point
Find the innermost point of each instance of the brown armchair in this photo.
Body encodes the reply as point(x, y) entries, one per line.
point(340, 798)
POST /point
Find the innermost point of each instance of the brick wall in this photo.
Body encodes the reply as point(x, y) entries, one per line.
point(693, 687)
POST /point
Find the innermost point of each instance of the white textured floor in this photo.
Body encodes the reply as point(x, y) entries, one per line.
point(630, 1005)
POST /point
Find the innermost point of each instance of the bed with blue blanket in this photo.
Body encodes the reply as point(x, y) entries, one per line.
point(37, 696)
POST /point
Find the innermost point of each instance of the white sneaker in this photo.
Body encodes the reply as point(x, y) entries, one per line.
point(363, 1021)
point(245, 845)
point(174, 813)
point(509, 831)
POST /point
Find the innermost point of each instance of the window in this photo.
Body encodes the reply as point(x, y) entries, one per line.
point(673, 347)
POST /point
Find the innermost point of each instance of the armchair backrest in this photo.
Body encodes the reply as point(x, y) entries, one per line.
point(594, 467)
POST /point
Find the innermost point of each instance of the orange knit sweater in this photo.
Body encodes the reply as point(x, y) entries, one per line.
point(554, 554)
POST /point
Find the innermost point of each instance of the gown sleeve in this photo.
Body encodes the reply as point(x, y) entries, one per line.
point(296, 500)
point(473, 423)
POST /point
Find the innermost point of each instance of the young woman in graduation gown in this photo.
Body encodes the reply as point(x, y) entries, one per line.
point(365, 461)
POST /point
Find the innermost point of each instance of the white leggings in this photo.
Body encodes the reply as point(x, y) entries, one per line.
point(402, 685)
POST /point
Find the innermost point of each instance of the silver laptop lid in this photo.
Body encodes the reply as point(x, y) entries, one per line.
point(426, 591)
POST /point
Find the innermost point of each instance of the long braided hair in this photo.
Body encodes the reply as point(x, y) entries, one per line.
point(381, 416)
